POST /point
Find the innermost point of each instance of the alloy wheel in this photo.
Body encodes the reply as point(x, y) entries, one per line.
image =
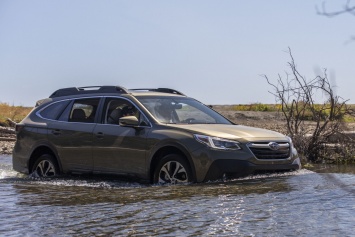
point(45, 168)
point(173, 172)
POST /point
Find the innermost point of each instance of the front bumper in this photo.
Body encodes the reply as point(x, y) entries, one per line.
point(240, 168)
point(212, 164)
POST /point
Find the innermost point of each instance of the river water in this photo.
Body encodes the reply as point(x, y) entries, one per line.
point(302, 203)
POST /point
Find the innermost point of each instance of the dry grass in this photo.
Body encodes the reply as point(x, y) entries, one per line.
point(15, 113)
point(257, 107)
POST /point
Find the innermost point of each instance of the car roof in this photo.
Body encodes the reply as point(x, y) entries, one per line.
point(90, 91)
point(109, 90)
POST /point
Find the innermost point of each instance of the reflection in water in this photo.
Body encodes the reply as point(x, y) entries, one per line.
point(332, 168)
point(296, 203)
point(69, 191)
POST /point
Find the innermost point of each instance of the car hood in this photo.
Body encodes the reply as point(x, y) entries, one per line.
point(234, 132)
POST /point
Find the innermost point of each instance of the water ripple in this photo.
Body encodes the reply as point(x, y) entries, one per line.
point(301, 203)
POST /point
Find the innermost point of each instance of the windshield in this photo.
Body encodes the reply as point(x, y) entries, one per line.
point(181, 110)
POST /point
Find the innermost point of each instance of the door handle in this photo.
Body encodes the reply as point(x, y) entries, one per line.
point(56, 132)
point(100, 135)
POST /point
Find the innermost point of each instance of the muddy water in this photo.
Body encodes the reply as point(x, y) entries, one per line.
point(302, 203)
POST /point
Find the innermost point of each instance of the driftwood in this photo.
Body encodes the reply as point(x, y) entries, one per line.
point(11, 122)
point(7, 134)
point(7, 139)
point(7, 130)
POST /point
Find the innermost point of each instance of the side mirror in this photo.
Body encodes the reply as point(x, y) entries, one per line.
point(178, 106)
point(129, 121)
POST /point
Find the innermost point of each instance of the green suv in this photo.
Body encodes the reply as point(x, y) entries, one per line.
point(159, 135)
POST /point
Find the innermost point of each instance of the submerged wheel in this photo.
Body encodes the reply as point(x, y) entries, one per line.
point(172, 169)
point(45, 166)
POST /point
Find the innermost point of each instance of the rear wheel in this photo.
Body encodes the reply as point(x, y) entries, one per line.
point(45, 166)
point(172, 169)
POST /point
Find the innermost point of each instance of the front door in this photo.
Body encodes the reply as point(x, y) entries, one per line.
point(118, 149)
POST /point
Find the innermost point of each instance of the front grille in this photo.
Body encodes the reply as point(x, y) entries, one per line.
point(270, 150)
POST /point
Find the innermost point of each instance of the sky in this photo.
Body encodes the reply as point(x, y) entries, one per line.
point(213, 50)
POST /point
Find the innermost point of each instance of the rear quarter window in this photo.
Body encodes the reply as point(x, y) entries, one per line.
point(53, 111)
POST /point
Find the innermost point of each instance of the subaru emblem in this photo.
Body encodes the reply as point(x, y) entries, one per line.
point(274, 146)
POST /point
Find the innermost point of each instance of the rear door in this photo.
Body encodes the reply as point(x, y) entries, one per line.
point(72, 135)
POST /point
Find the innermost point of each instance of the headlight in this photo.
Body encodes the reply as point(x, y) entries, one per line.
point(217, 143)
point(290, 140)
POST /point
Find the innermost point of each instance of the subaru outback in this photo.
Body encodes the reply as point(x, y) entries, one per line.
point(159, 135)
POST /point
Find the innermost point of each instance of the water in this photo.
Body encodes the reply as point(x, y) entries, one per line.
point(302, 203)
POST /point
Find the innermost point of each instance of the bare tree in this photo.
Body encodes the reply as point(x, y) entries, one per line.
point(347, 8)
point(310, 123)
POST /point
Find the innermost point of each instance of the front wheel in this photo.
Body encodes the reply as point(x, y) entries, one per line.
point(45, 166)
point(172, 169)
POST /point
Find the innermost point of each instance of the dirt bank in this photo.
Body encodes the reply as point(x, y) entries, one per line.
point(268, 120)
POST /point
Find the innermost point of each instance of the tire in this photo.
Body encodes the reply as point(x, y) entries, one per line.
point(45, 166)
point(172, 169)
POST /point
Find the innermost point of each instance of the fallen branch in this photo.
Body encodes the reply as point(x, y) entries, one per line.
point(7, 130)
point(7, 139)
point(11, 122)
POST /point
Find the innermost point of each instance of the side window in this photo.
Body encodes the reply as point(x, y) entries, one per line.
point(117, 108)
point(54, 110)
point(84, 110)
point(81, 110)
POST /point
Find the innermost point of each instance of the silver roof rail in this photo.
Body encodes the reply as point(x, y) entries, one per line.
point(164, 90)
point(88, 90)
